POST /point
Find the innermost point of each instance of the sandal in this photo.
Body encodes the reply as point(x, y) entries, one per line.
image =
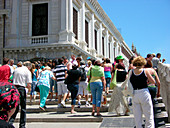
point(73, 112)
point(42, 108)
point(92, 113)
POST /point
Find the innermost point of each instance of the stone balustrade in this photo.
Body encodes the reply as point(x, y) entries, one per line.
point(164, 75)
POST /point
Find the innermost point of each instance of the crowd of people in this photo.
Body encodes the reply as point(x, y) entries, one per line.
point(79, 78)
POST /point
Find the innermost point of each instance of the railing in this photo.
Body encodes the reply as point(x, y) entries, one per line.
point(164, 75)
point(39, 39)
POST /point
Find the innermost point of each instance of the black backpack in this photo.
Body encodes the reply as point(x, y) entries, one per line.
point(83, 73)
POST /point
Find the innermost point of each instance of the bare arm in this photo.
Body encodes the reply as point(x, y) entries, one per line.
point(158, 84)
point(104, 83)
point(150, 78)
point(29, 86)
point(37, 73)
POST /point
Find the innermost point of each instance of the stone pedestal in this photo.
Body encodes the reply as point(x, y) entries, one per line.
point(164, 75)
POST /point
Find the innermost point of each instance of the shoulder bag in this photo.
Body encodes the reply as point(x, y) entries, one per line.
point(127, 88)
point(114, 81)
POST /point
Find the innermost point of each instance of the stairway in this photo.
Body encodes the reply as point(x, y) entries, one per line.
point(59, 115)
point(55, 114)
point(160, 114)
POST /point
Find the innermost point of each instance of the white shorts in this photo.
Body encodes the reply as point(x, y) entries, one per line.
point(83, 87)
point(62, 88)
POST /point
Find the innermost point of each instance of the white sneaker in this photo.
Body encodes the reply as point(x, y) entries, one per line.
point(87, 104)
point(63, 104)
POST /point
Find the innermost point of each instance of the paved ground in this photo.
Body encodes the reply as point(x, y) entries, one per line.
point(60, 125)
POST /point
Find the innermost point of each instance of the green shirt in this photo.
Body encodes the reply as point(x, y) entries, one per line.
point(96, 73)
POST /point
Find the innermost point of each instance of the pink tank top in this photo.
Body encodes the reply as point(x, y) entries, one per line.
point(107, 68)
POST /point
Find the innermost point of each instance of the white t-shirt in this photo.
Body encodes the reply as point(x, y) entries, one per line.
point(22, 76)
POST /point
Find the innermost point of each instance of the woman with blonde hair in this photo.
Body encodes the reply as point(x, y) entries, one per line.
point(97, 85)
point(142, 102)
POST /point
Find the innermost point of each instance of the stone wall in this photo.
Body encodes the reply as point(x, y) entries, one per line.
point(164, 75)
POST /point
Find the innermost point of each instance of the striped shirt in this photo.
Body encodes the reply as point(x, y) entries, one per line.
point(60, 73)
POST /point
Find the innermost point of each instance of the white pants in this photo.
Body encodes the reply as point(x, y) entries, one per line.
point(142, 104)
point(83, 87)
point(62, 88)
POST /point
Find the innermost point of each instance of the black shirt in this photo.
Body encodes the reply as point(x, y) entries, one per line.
point(121, 76)
point(73, 76)
point(4, 124)
point(138, 81)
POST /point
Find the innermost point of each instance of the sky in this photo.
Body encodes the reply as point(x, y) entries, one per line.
point(146, 23)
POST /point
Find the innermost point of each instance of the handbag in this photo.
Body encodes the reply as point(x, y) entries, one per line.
point(127, 88)
point(37, 88)
point(113, 82)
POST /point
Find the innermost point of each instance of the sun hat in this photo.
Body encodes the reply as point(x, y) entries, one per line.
point(120, 57)
point(9, 99)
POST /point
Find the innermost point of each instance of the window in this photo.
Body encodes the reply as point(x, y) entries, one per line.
point(95, 35)
point(40, 19)
point(103, 45)
point(87, 33)
point(75, 23)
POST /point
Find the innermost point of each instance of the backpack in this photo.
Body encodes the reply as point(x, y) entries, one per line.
point(83, 73)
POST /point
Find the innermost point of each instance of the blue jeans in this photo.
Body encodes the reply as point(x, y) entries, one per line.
point(96, 90)
point(53, 83)
point(108, 80)
point(33, 85)
point(153, 91)
point(73, 88)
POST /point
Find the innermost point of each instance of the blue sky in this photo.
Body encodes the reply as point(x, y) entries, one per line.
point(146, 23)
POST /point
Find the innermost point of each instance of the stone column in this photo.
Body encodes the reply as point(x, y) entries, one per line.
point(70, 21)
point(81, 36)
point(116, 48)
point(70, 15)
point(14, 17)
point(82, 11)
point(92, 32)
point(100, 39)
point(106, 44)
point(63, 34)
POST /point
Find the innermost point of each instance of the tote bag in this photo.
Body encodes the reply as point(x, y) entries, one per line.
point(127, 88)
point(114, 82)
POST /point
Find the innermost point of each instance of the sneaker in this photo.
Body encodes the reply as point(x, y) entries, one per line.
point(50, 100)
point(63, 104)
point(60, 106)
point(66, 100)
point(87, 104)
point(79, 104)
point(56, 100)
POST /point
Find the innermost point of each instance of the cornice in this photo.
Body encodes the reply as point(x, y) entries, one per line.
point(105, 17)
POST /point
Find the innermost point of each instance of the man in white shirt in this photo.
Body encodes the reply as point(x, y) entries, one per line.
point(22, 79)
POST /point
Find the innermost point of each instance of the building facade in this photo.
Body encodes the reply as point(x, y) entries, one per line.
point(56, 28)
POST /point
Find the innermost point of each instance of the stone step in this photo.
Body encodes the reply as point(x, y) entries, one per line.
point(61, 117)
point(159, 99)
point(160, 106)
point(53, 102)
point(52, 108)
point(162, 116)
point(37, 96)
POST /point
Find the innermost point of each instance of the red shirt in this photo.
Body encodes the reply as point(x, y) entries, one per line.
point(4, 73)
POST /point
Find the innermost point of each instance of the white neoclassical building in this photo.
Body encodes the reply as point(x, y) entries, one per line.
point(56, 28)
